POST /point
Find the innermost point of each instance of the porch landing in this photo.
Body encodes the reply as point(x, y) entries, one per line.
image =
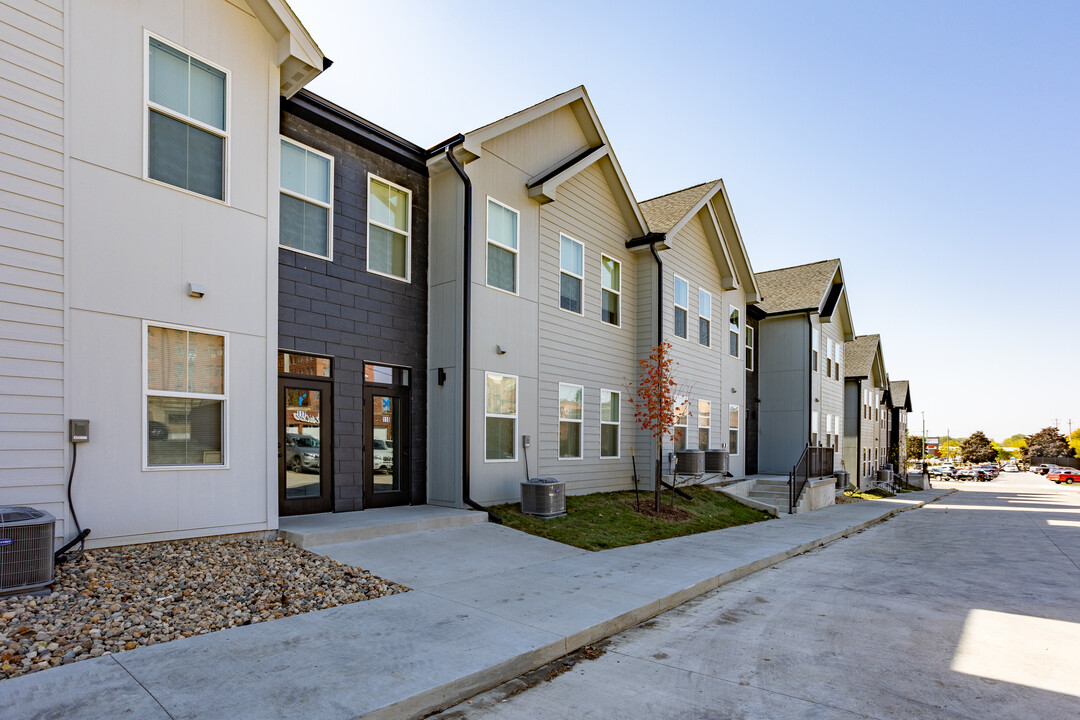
point(326, 528)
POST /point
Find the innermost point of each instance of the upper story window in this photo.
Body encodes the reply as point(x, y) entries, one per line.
point(389, 229)
point(734, 328)
point(306, 200)
point(839, 358)
point(681, 302)
point(704, 316)
point(815, 343)
point(828, 357)
point(572, 272)
point(749, 348)
point(186, 391)
point(187, 122)
point(502, 246)
point(610, 290)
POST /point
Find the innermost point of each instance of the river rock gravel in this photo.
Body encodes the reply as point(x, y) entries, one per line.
point(115, 599)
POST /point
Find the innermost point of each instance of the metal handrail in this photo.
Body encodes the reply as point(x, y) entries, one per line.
point(814, 462)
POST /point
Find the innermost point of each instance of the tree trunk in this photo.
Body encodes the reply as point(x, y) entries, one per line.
point(657, 482)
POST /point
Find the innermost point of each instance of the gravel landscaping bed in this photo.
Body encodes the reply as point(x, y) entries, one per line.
point(116, 599)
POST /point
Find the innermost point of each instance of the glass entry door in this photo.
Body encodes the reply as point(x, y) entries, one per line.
point(386, 447)
point(304, 440)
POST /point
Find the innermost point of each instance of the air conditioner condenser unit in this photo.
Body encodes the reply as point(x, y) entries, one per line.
point(543, 497)
point(26, 549)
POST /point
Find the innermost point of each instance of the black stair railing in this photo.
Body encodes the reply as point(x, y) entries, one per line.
point(813, 463)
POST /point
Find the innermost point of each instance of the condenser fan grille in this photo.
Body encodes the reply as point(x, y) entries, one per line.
point(26, 549)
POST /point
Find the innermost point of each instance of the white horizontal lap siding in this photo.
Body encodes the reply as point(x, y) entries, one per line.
point(32, 439)
point(581, 349)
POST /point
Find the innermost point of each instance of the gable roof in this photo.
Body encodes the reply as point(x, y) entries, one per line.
point(469, 147)
point(802, 287)
point(662, 213)
point(668, 214)
point(860, 354)
point(900, 395)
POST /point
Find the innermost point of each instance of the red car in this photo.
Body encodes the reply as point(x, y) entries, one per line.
point(1064, 475)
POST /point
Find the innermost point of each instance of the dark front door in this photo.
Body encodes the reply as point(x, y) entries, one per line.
point(386, 446)
point(305, 439)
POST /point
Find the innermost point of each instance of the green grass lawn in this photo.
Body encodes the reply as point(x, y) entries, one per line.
point(607, 520)
point(872, 494)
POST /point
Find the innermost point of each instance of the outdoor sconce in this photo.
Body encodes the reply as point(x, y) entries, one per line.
point(196, 290)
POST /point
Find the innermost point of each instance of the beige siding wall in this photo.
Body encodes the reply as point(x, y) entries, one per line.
point(828, 391)
point(32, 438)
point(580, 349)
point(706, 372)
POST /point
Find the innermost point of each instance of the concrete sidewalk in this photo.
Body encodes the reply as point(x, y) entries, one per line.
point(488, 604)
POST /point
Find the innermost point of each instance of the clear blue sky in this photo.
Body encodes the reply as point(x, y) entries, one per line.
point(933, 146)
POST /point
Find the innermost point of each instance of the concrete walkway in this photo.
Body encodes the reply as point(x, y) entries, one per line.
point(488, 604)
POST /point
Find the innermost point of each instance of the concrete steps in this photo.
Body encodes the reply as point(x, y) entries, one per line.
point(771, 492)
point(327, 528)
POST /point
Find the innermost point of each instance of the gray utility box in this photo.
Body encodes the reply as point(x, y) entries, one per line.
point(26, 549)
point(884, 476)
point(544, 497)
point(689, 462)
point(717, 461)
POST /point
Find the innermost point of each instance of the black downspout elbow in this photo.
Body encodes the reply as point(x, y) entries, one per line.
point(466, 331)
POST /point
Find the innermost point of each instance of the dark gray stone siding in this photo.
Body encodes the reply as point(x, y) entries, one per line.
point(341, 310)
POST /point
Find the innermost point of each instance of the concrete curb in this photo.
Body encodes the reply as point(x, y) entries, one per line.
point(452, 693)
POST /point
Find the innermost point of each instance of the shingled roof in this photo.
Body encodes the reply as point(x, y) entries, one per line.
point(899, 391)
point(859, 355)
point(664, 212)
point(795, 288)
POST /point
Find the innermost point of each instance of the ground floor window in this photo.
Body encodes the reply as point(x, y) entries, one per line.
point(609, 423)
point(682, 410)
point(570, 421)
point(186, 392)
point(704, 422)
point(733, 429)
point(500, 416)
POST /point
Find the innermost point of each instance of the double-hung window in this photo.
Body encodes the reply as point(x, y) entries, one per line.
point(570, 397)
point(733, 429)
point(815, 343)
point(186, 392)
point(502, 246)
point(306, 200)
point(749, 348)
point(814, 420)
point(500, 416)
point(734, 328)
point(828, 357)
point(609, 423)
point(704, 316)
point(839, 358)
point(186, 121)
point(389, 250)
point(682, 411)
point(704, 422)
point(682, 291)
point(610, 289)
point(571, 273)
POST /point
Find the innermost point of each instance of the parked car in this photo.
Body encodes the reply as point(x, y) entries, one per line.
point(1041, 469)
point(384, 455)
point(1068, 476)
point(1010, 468)
point(976, 474)
point(302, 453)
point(944, 472)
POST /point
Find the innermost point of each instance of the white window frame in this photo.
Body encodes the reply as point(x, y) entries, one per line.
point(815, 343)
point(707, 318)
point(681, 401)
point(517, 265)
point(749, 335)
point(815, 424)
point(828, 357)
point(618, 424)
point(616, 293)
point(733, 310)
point(580, 422)
point(684, 308)
point(408, 234)
point(148, 105)
point(328, 206)
point(839, 361)
point(514, 417)
point(733, 447)
point(147, 394)
point(580, 278)
point(706, 427)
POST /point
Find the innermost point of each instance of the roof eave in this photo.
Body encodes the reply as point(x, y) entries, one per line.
point(298, 57)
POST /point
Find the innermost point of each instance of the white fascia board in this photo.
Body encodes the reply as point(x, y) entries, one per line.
point(298, 56)
point(743, 267)
point(545, 191)
point(476, 138)
point(728, 281)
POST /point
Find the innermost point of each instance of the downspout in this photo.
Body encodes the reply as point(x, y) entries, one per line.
point(659, 293)
point(466, 331)
point(858, 438)
point(810, 380)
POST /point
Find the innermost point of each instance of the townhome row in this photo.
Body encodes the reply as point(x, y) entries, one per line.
point(266, 305)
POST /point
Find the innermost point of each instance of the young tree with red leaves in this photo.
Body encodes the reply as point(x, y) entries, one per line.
point(654, 400)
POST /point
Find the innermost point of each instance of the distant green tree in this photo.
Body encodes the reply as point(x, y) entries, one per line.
point(1002, 453)
point(977, 448)
point(1018, 440)
point(1048, 442)
point(914, 447)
